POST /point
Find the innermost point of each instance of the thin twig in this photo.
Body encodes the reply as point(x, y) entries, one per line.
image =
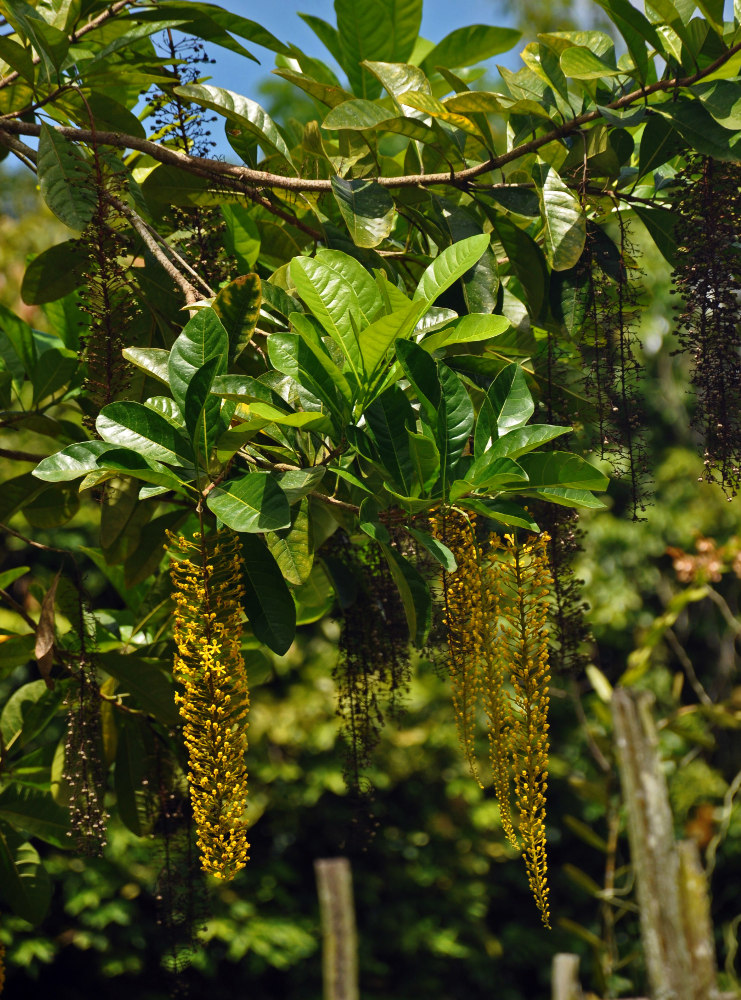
point(686, 662)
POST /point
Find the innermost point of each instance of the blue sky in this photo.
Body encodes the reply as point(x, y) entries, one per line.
point(439, 17)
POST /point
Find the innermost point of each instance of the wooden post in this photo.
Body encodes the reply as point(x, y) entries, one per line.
point(339, 937)
point(565, 977)
point(678, 950)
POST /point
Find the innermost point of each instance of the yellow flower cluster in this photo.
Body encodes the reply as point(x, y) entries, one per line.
point(207, 589)
point(495, 609)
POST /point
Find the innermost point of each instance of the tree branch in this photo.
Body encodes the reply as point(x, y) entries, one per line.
point(246, 180)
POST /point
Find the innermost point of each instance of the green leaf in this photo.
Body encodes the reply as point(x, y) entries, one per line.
point(722, 99)
point(502, 511)
point(52, 507)
point(25, 886)
point(152, 360)
point(437, 550)
point(36, 814)
point(563, 470)
point(425, 460)
point(135, 755)
point(455, 423)
point(268, 603)
point(415, 595)
point(370, 522)
point(386, 417)
point(202, 339)
point(700, 130)
point(366, 207)
point(470, 45)
point(491, 473)
point(526, 262)
point(291, 355)
point(659, 142)
point(17, 346)
point(243, 112)
point(422, 372)
point(326, 33)
point(580, 63)
point(253, 503)
point(660, 223)
point(72, 462)
point(143, 430)
point(65, 180)
point(297, 483)
point(377, 339)
point(326, 286)
point(53, 371)
point(28, 711)
point(292, 547)
point(467, 330)
point(566, 497)
point(565, 225)
point(518, 442)
point(450, 265)
point(144, 680)
point(508, 405)
point(11, 575)
point(315, 598)
point(384, 31)
point(242, 237)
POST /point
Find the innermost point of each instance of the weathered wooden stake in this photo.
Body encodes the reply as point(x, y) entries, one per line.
point(565, 977)
point(339, 937)
point(672, 895)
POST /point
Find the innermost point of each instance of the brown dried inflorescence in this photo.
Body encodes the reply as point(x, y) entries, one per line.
point(708, 277)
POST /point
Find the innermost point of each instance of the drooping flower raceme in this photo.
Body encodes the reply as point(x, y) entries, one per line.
point(213, 700)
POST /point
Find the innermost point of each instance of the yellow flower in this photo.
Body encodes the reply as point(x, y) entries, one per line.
point(207, 581)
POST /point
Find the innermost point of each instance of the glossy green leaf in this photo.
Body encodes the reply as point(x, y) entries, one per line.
point(467, 330)
point(27, 712)
point(267, 602)
point(297, 483)
point(291, 355)
point(526, 261)
point(580, 63)
point(722, 99)
point(152, 360)
point(72, 462)
point(366, 207)
point(242, 237)
point(422, 372)
point(567, 497)
point(141, 429)
point(489, 472)
point(292, 547)
point(386, 417)
point(53, 372)
point(562, 469)
point(425, 461)
point(370, 522)
point(564, 221)
point(521, 440)
point(202, 339)
point(508, 405)
point(243, 112)
point(502, 511)
point(455, 422)
point(253, 503)
point(469, 45)
point(327, 289)
point(450, 265)
point(384, 31)
point(436, 548)
point(378, 339)
point(52, 507)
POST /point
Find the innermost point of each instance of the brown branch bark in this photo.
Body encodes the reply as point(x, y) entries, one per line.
point(247, 181)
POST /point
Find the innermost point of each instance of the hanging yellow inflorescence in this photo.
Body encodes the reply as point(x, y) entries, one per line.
point(207, 585)
point(495, 609)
